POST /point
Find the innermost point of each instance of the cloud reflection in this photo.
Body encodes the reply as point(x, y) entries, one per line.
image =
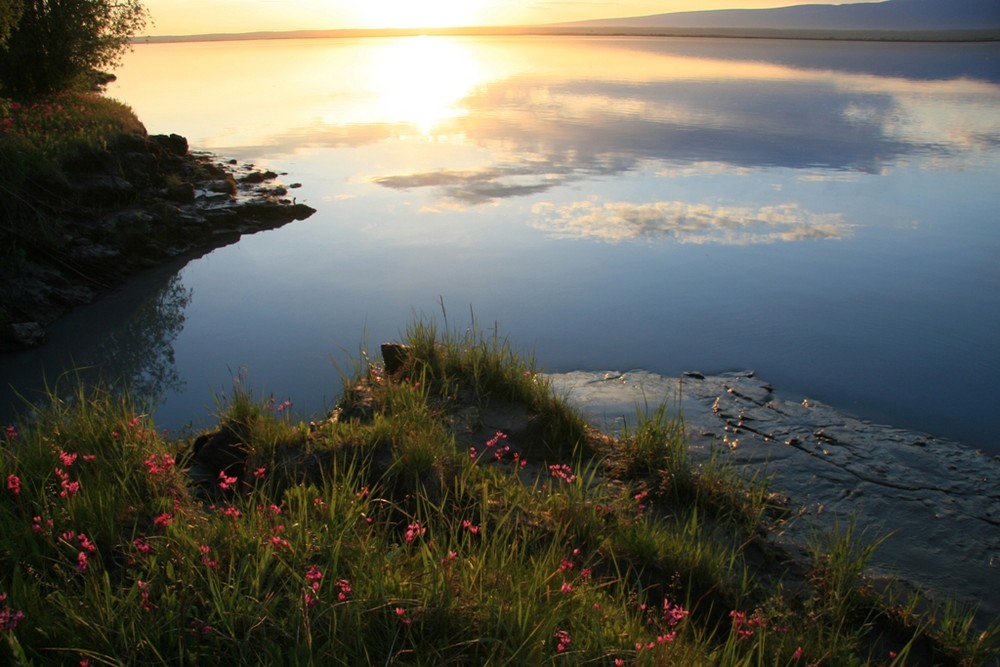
point(685, 222)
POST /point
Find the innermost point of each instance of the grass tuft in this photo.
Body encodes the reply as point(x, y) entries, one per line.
point(374, 537)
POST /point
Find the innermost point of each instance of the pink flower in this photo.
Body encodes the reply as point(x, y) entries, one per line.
point(141, 545)
point(797, 654)
point(161, 466)
point(9, 618)
point(67, 459)
point(563, 640)
point(14, 484)
point(164, 520)
point(86, 543)
point(11, 432)
point(345, 589)
point(207, 560)
point(563, 472)
point(497, 438)
point(413, 531)
point(566, 587)
point(260, 472)
point(81, 561)
point(144, 595)
point(225, 481)
point(471, 527)
point(68, 488)
point(401, 613)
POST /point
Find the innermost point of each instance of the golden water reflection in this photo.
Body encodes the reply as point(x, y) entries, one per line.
point(466, 122)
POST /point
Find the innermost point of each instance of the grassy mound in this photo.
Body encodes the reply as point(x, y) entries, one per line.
point(395, 533)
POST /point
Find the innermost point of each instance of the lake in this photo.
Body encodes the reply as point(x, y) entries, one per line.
point(826, 213)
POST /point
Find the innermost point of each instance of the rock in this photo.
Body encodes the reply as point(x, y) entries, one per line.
point(395, 356)
point(27, 334)
point(174, 143)
point(118, 210)
point(104, 189)
point(180, 192)
point(935, 500)
point(256, 177)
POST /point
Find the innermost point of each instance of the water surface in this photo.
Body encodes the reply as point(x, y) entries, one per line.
point(824, 213)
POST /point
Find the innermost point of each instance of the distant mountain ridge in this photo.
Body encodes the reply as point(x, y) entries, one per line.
point(891, 15)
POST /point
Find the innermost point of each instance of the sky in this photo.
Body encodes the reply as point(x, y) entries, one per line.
point(191, 17)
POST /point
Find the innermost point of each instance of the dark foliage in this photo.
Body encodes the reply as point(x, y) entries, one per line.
point(59, 44)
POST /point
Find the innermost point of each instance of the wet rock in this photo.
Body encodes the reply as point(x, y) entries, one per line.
point(256, 177)
point(937, 501)
point(27, 334)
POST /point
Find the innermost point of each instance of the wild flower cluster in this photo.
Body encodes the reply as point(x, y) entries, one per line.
point(105, 551)
point(66, 120)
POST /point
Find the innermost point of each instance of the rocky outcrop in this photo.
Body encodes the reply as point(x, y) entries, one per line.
point(935, 503)
point(112, 212)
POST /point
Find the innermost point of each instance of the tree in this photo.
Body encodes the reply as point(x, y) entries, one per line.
point(59, 44)
point(10, 12)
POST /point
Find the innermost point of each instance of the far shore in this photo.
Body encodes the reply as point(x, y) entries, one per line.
point(987, 35)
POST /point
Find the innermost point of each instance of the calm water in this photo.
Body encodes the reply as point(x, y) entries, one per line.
point(825, 213)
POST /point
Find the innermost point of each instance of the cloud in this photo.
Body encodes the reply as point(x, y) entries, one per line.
point(484, 185)
point(685, 222)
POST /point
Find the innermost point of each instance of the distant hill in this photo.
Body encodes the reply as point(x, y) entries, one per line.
point(891, 15)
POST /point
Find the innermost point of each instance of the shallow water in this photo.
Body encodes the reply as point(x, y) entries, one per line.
point(825, 213)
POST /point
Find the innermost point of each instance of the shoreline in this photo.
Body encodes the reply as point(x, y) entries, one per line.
point(958, 36)
point(141, 203)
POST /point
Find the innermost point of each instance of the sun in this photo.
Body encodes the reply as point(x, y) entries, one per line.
point(410, 14)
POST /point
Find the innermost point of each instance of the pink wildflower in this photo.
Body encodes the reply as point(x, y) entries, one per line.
point(260, 472)
point(14, 484)
point(144, 595)
point(563, 640)
point(142, 545)
point(563, 472)
point(67, 459)
point(207, 560)
point(566, 587)
point(225, 481)
point(161, 466)
point(401, 613)
point(673, 613)
point(345, 589)
point(164, 520)
point(9, 618)
point(497, 438)
point(69, 488)
point(86, 543)
point(413, 531)
point(11, 432)
point(471, 527)
point(797, 654)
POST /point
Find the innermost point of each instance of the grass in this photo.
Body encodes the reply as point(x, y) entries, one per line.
point(378, 537)
point(36, 140)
